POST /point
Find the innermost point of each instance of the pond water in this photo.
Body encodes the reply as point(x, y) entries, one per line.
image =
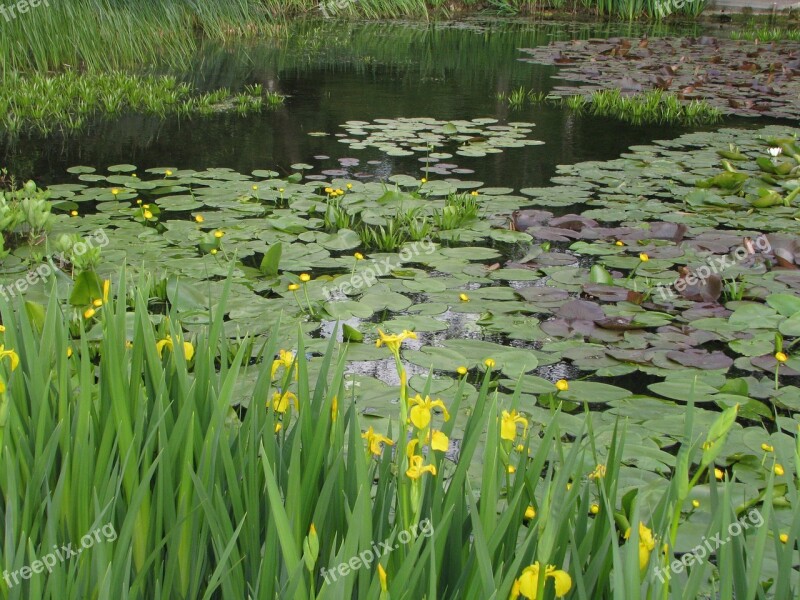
point(334, 73)
point(337, 72)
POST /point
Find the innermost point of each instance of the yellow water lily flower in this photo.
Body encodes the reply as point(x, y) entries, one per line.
point(305, 277)
point(73, 213)
point(783, 538)
point(767, 448)
point(69, 351)
point(781, 357)
point(213, 251)
point(439, 441)
point(424, 180)
point(285, 359)
point(115, 191)
point(779, 470)
point(349, 186)
point(696, 503)
point(646, 544)
point(147, 214)
point(358, 256)
point(511, 469)
point(255, 187)
point(89, 313)
point(528, 583)
point(594, 509)
point(374, 441)
point(168, 173)
point(219, 233)
point(393, 341)
point(530, 513)
point(421, 410)
point(508, 424)
point(619, 243)
point(719, 474)
point(293, 287)
point(199, 218)
point(12, 356)
point(462, 370)
point(281, 401)
point(473, 193)
point(463, 297)
point(169, 342)
point(489, 362)
point(644, 257)
point(97, 302)
point(417, 469)
point(562, 385)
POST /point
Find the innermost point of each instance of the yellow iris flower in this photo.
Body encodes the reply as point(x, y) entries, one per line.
point(421, 410)
point(280, 402)
point(169, 342)
point(392, 342)
point(528, 583)
point(417, 469)
point(12, 356)
point(285, 359)
point(508, 424)
point(646, 544)
point(374, 441)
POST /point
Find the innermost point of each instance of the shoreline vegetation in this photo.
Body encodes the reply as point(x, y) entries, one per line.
point(87, 35)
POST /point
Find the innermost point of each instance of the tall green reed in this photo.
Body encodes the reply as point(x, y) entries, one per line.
point(220, 490)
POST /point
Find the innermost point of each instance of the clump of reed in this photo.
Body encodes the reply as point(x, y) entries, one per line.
point(114, 420)
point(66, 101)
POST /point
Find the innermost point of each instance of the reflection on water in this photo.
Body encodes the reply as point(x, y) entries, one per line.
point(335, 72)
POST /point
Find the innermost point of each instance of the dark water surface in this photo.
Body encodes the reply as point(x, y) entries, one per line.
point(335, 72)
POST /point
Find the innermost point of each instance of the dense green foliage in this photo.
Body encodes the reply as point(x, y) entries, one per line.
point(120, 419)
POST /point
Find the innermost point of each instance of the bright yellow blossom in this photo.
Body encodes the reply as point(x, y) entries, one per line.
point(421, 410)
point(285, 359)
point(598, 473)
point(393, 341)
point(358, 256)
point(199, 218)
point(644, 257)
point(416, 468)
point(779, 470)
point(305, 277)
point(374, 441)
point(489, 362)
point(646, 544)
point(463, 297)
point(562, 385)
point(281, 401)
point(767, 448)
point(528, 583)
point(293, 287)
point(462, 370)
point(530, 512)
point(508, 424)
point(169, 342)
point(781, 357)
point(12, 356)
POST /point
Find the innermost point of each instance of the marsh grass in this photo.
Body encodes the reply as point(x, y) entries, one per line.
point(213, 494)
point(68, 100)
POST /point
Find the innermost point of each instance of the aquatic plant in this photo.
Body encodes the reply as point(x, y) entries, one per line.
point(67, 100)
point(189, 478)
